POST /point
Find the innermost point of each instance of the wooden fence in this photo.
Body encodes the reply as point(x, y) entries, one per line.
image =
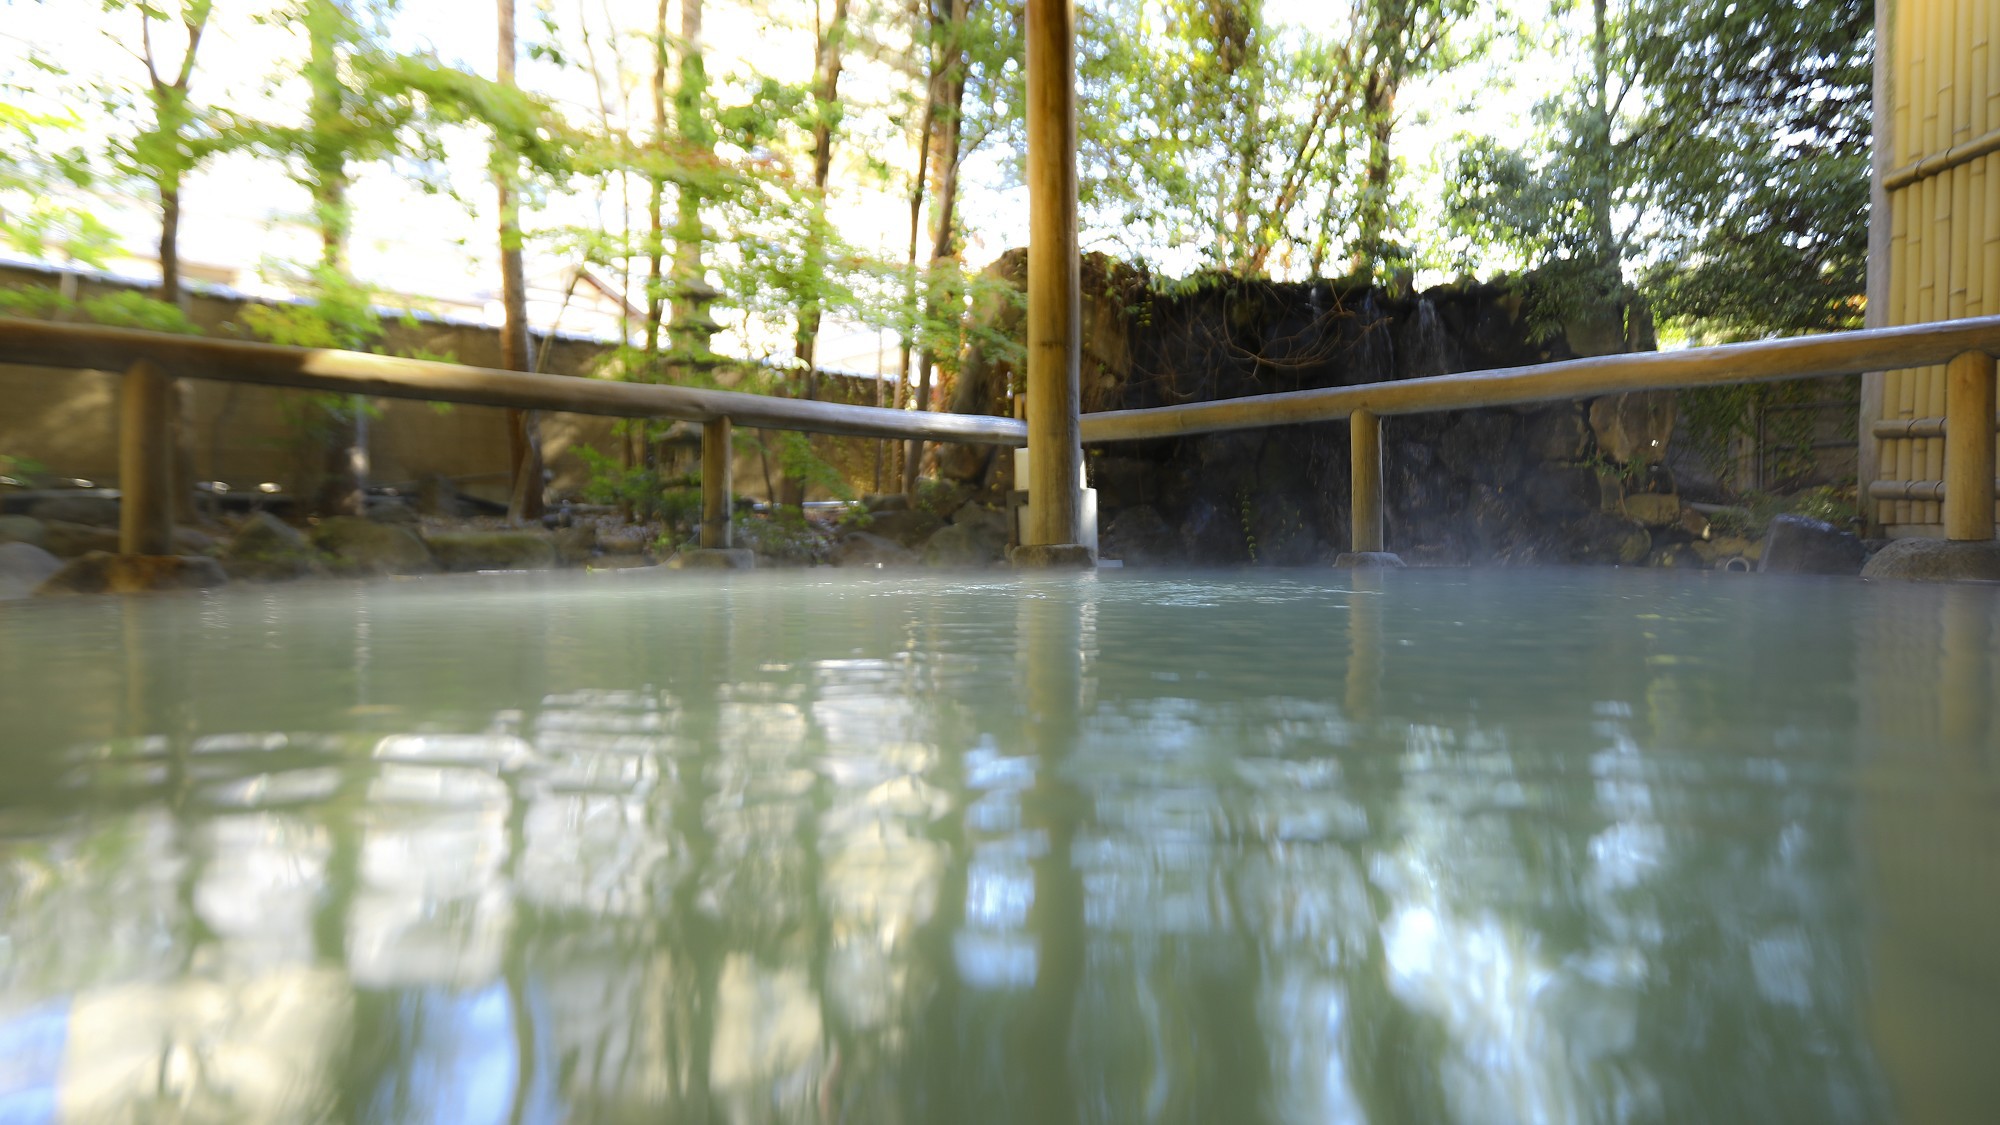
point(1966, 348)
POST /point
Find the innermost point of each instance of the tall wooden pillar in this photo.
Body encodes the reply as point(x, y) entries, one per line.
point(1968, 448)
point(1365, 427)
point(715, 484)
point(146, 462)
point(1055, 339)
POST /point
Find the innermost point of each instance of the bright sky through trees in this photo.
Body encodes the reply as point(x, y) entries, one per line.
point(247, 222)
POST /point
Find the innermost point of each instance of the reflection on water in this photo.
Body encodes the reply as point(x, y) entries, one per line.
point(1368, 847)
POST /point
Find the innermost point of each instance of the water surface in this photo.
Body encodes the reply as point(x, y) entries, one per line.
point(1405, 847)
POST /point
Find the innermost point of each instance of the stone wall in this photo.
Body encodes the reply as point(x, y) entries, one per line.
point(1553, 483)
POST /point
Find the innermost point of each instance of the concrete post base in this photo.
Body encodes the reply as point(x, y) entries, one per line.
point(714, 558)
point(1369, 560)
point(1055, 556)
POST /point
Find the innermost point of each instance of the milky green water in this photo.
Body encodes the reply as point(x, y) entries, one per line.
point(1443, 846)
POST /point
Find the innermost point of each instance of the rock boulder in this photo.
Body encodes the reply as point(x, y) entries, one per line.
point(23, 529)
point(101, 572)
point(1799, 545)
point(24, 566)
point(1936, 560)
point(362, 546)
point(492, 550)
point(867, 550)
point(910, 528)
point(975, 544)
point(267, 549)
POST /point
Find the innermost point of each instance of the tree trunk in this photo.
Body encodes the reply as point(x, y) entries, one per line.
point(338, 423)
point(1378, 103)
point(523, 431)
point(656, 242)
point(944, 232)
point(692, 325)
point(1602, 231)
point(826, 94)
point(918, 188)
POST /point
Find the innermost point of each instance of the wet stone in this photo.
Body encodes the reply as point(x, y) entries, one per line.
point(1798, 545)
point(865, 550)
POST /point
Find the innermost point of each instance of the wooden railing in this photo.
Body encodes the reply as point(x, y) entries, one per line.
point(1966, 347)
point(150, 360)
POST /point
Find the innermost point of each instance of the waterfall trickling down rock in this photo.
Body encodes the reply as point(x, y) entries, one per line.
point(1427, 347)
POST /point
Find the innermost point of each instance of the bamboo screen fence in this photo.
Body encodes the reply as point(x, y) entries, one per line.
point(1938, 79)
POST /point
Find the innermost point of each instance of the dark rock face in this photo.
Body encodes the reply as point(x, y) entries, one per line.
point(1936, 560)
point(101, 572)
point(1508, 484)
point(1138, 536)
point(1798, 545)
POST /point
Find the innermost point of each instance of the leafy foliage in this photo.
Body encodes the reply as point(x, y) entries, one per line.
point(1729, 185)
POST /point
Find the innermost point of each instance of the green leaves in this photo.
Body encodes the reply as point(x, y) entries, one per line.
point(1730, 184)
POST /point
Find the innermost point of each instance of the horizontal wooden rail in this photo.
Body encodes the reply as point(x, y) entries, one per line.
point(1923, 490)
point(39, 343)
point(1898, 429)
point(1840, 353)
point(1985, 144)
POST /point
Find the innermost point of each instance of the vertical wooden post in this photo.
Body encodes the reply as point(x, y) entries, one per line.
point(1968, 447)
point(145, 462)
point(1054, 320)
point(1366, 473)
point(715, 484)
point(1881, 249)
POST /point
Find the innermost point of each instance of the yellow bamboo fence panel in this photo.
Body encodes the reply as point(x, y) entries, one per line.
point(1941, 127)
